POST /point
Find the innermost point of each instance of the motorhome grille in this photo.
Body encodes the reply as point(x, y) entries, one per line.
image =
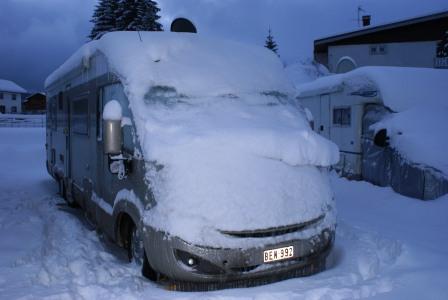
point(274, 231)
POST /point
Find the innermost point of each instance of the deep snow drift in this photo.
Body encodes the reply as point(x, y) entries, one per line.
point(387, 246)
point(420, 134)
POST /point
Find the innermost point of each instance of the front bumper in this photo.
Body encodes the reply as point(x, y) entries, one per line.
point(216, 268)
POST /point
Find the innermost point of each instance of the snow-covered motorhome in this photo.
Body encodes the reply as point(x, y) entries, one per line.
point(189, 152)
point(409, 104)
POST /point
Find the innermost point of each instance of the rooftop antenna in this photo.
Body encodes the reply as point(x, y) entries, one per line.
point(139, 36)
point(360, 11)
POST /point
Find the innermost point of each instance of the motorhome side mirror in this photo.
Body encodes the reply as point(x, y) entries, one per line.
point(112, 137)
point(381, 139)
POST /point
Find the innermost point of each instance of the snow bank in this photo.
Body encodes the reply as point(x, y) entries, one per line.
point(226, 148)
point(9, 86)
point(400, 88)
point(420, 134)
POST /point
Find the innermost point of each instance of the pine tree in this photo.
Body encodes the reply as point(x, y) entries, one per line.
point(127, 14)
point(270, 43)
point(104, 18)
point(138, 15)
point(124, 15)
point(147, 18)
point(442, 46)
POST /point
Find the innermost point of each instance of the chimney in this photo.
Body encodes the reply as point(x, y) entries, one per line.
point(366, 20)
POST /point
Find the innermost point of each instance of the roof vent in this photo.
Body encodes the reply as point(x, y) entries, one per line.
point(183, 25)
point(366, 20)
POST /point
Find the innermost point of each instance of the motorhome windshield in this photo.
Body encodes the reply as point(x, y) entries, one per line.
point(168, 96)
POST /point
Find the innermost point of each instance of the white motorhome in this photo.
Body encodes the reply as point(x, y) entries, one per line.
point(346, 107)
point(191, 154)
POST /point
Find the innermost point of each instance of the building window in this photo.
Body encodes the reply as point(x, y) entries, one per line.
point(342, 116)
point(1, 95)
point(14, 96)
point(345, 64)
point(378, 49)
point(2, 109)
point(13, 109)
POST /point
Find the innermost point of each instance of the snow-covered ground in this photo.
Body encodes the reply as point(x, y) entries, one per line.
point(388, 246)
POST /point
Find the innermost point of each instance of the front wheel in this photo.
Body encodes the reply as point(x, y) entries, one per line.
point(137, 253)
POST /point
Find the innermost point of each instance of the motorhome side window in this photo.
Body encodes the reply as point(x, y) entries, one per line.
point(80, 116)
point(60, 101)
point(115, 92)
point(342, 116)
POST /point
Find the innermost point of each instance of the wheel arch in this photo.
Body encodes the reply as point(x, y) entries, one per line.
point(126, 213)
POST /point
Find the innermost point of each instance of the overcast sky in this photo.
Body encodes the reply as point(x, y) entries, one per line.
point(36, 36)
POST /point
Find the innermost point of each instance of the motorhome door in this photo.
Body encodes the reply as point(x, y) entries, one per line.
point(79, 140)
point(346, 125)
point(324, 126)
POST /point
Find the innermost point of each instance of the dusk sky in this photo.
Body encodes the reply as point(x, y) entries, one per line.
point(36, 36)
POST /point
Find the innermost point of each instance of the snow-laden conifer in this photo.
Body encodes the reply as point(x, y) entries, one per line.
point(270, 43)
point(104, 18)
point(147, 16)
point(136, 15)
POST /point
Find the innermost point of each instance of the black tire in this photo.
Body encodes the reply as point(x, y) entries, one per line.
point(63, 192)
point(137, 254)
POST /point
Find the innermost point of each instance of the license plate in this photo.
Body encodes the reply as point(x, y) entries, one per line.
point(278, 254)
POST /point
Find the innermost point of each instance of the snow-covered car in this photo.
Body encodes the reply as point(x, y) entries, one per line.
point(189, 152)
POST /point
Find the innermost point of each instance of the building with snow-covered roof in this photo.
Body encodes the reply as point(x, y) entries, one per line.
point(35, 104)
point(407, 105)
point(407, 43)
point(10, 97)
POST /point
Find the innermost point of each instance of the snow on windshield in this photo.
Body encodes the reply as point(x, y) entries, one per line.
point(233, 163)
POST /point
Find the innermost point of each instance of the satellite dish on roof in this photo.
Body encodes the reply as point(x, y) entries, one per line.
point(183, 25)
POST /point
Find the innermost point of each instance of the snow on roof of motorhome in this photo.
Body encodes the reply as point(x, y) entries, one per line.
point(9, 86)
point(400, 88)
point(304, 72)
point(193, 64)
